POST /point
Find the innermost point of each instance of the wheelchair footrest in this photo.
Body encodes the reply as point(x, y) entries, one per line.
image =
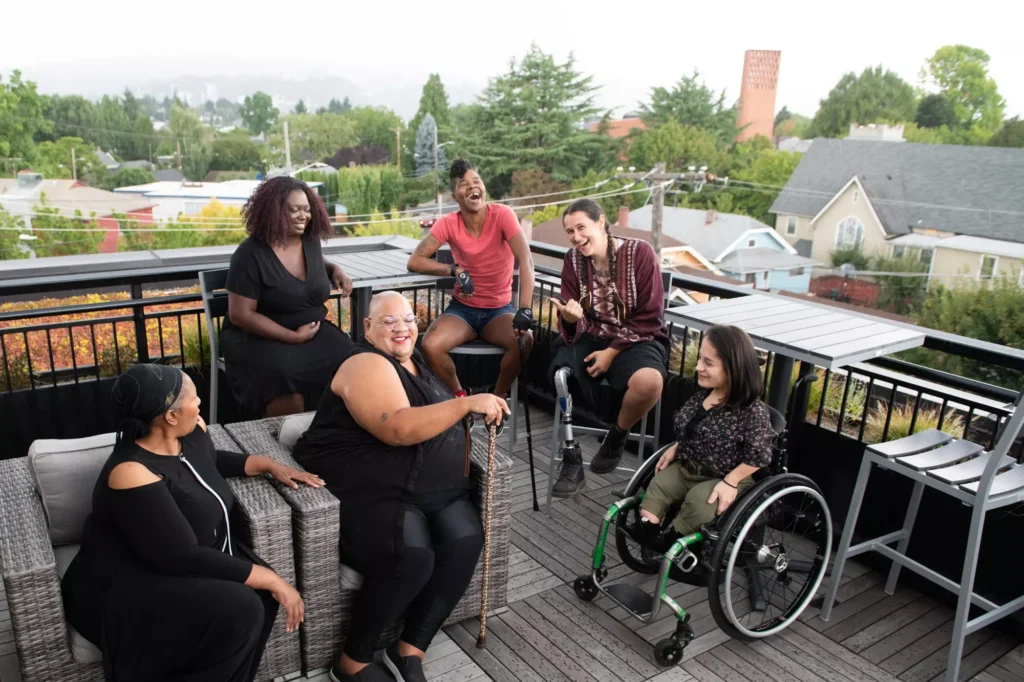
point(631, 597)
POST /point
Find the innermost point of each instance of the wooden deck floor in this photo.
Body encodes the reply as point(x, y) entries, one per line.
point(549, 635)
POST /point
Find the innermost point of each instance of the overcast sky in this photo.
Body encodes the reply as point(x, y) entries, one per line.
point(384, 44)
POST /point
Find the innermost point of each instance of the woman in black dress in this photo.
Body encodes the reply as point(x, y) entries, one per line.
point(398, 459)
point(278, 351)
point(161, 584)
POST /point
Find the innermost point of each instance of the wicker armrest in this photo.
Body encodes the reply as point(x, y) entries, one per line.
point(30, 576)
point(315, 533)
point(266, 526)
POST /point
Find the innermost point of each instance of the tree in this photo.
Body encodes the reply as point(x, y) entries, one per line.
point(1010, 135)
point(53, 160)
point(433, 101)
point(934, 111)
point(875, 96)
point(235, 153)
point(113, 127)
point(185, 127)
point(797, 125)
point(60, 235)
point(12, 247)
point(769, 167)
point(961, 74)
point(678, 147)
point(901, 293)
point(196, 158)
point(259, 113)
point(533, 181)
point(336, 107)
point(783, 115)
point(300, 108)
point(314, 137)
point(228, 112)
point(126, 177)
point(21, 118)
point(69, 115)
point(375, 127)
point(691, 102)
point(424, 154)
point(532, 116)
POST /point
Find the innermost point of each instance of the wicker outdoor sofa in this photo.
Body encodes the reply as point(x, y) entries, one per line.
point(29, 564)
point(325, 585)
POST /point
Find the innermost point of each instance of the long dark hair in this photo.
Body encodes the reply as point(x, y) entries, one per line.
point(739, 360)
point(593, 210)
point(266, 213)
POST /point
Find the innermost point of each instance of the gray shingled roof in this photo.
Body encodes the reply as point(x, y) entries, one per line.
point(760, 259)
point(916, 185)
point(688, 225)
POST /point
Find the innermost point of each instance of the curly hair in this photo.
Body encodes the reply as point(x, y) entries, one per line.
point(458, 171)
point(266, 213)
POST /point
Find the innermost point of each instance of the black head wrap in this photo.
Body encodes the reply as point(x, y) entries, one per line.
point(141, 394)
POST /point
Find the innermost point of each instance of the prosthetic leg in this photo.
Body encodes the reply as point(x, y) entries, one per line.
point(570, 477)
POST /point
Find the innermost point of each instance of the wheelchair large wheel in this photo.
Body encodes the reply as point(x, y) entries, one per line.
point(632, 553)
point(775, 544)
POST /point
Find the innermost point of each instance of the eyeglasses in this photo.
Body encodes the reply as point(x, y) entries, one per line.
point(391, 323)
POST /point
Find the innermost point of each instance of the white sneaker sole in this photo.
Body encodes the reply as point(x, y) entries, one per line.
point(392, 668)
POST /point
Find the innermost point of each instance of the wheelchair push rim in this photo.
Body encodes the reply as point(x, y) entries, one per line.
point(632, 553)
point(786, 553)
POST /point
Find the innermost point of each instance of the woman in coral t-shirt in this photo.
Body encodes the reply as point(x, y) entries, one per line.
point(485, 241)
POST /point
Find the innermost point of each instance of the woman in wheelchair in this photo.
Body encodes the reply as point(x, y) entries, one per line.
point(723, 435)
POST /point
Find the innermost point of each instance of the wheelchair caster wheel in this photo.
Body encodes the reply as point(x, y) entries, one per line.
point(585, 588)
point(668, 652)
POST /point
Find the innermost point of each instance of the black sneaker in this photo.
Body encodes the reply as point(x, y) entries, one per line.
point(371, 673)
point(610, 452)
point(571, 478)
point(404, 668)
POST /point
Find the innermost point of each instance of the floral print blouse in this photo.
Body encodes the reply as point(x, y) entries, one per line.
point(723, 438)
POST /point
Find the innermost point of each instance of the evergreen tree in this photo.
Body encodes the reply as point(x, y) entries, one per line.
point(875, 96)
point(424, 154)
point(300, 108)
point(433, 101)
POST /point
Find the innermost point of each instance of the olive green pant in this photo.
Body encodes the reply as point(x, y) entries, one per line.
point(691, 483)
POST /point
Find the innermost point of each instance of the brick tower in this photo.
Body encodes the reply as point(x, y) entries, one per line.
point(757, 93)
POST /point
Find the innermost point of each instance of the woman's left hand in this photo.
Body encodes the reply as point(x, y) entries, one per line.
point(289, 476)
point(339, 280)
point(724, 494)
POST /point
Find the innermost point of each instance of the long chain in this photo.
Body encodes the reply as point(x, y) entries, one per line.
point(492, 442)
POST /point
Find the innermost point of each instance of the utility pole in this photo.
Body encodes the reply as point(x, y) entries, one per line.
point(74, 166)
point(658, 176)
point(437, 189)
point(398, 148)
point(287, 149)
point(178, 144)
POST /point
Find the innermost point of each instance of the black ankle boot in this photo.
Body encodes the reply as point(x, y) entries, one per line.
point(570, 479)
point(610, 452)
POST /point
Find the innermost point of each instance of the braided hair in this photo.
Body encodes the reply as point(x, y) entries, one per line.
point(593, 210)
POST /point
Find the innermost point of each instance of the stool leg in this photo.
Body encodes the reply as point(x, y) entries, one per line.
point(963, 604)
point(515, 415)
point(642, 447)
point(657, 424)
point(908, 526)
point(844, 543)
point(214, 376)
point(555, 449)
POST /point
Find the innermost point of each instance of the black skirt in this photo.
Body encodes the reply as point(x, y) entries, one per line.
point(261, 369)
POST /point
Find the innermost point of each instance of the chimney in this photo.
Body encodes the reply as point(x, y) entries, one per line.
point(710, 217)
point(623, 220)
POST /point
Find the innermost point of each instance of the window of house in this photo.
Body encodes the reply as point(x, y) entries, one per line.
point(856, 196)
point(193, 207)
point(898, 251)
point(926, 257)
point(791, 225)
point(988, 267)
point(796, 272)
point(751, 243)
point(850, 233)
point(751, 277)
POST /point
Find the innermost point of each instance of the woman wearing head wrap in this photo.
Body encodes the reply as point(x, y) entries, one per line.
point(161, 584)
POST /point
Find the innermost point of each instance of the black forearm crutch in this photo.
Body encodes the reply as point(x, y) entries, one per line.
point(526, 415)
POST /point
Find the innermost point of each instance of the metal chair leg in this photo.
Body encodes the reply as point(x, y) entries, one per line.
point(214, 376)
point(963, 604)
point(844, 543)
point(657, 424)
point(514, 437)
point(556, 433)
point(908, 526)
point(642, 446)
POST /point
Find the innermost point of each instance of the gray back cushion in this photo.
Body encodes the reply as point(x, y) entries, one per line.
point(292, 429)
point(64, 473)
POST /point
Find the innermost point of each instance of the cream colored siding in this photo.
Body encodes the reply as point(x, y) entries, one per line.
point(803, 227)
point(956, 262)
point(824, 229)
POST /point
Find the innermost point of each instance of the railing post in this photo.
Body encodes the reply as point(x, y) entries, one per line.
point(139, 317)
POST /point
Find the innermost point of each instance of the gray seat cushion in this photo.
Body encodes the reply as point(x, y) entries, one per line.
point(292, 429)
point(82, 650)
point(64, 473)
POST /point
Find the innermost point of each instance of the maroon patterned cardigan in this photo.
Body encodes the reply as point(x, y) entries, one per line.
point(639, 285)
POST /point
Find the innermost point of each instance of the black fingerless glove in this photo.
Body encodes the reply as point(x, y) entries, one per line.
point(465, 283)
point(524, 320)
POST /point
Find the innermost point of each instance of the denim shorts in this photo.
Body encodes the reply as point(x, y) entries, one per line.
point(477, 318)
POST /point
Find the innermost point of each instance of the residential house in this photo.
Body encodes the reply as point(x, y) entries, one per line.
point(22, 196)
point(959, 209)
point(171, 199)
point(737, 246)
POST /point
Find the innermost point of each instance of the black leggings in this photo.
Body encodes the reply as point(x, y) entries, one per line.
point(441, 551)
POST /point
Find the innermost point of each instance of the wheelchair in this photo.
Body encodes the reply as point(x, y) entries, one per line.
point(762, 560)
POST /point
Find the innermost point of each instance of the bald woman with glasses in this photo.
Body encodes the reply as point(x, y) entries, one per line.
point(390, 441)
